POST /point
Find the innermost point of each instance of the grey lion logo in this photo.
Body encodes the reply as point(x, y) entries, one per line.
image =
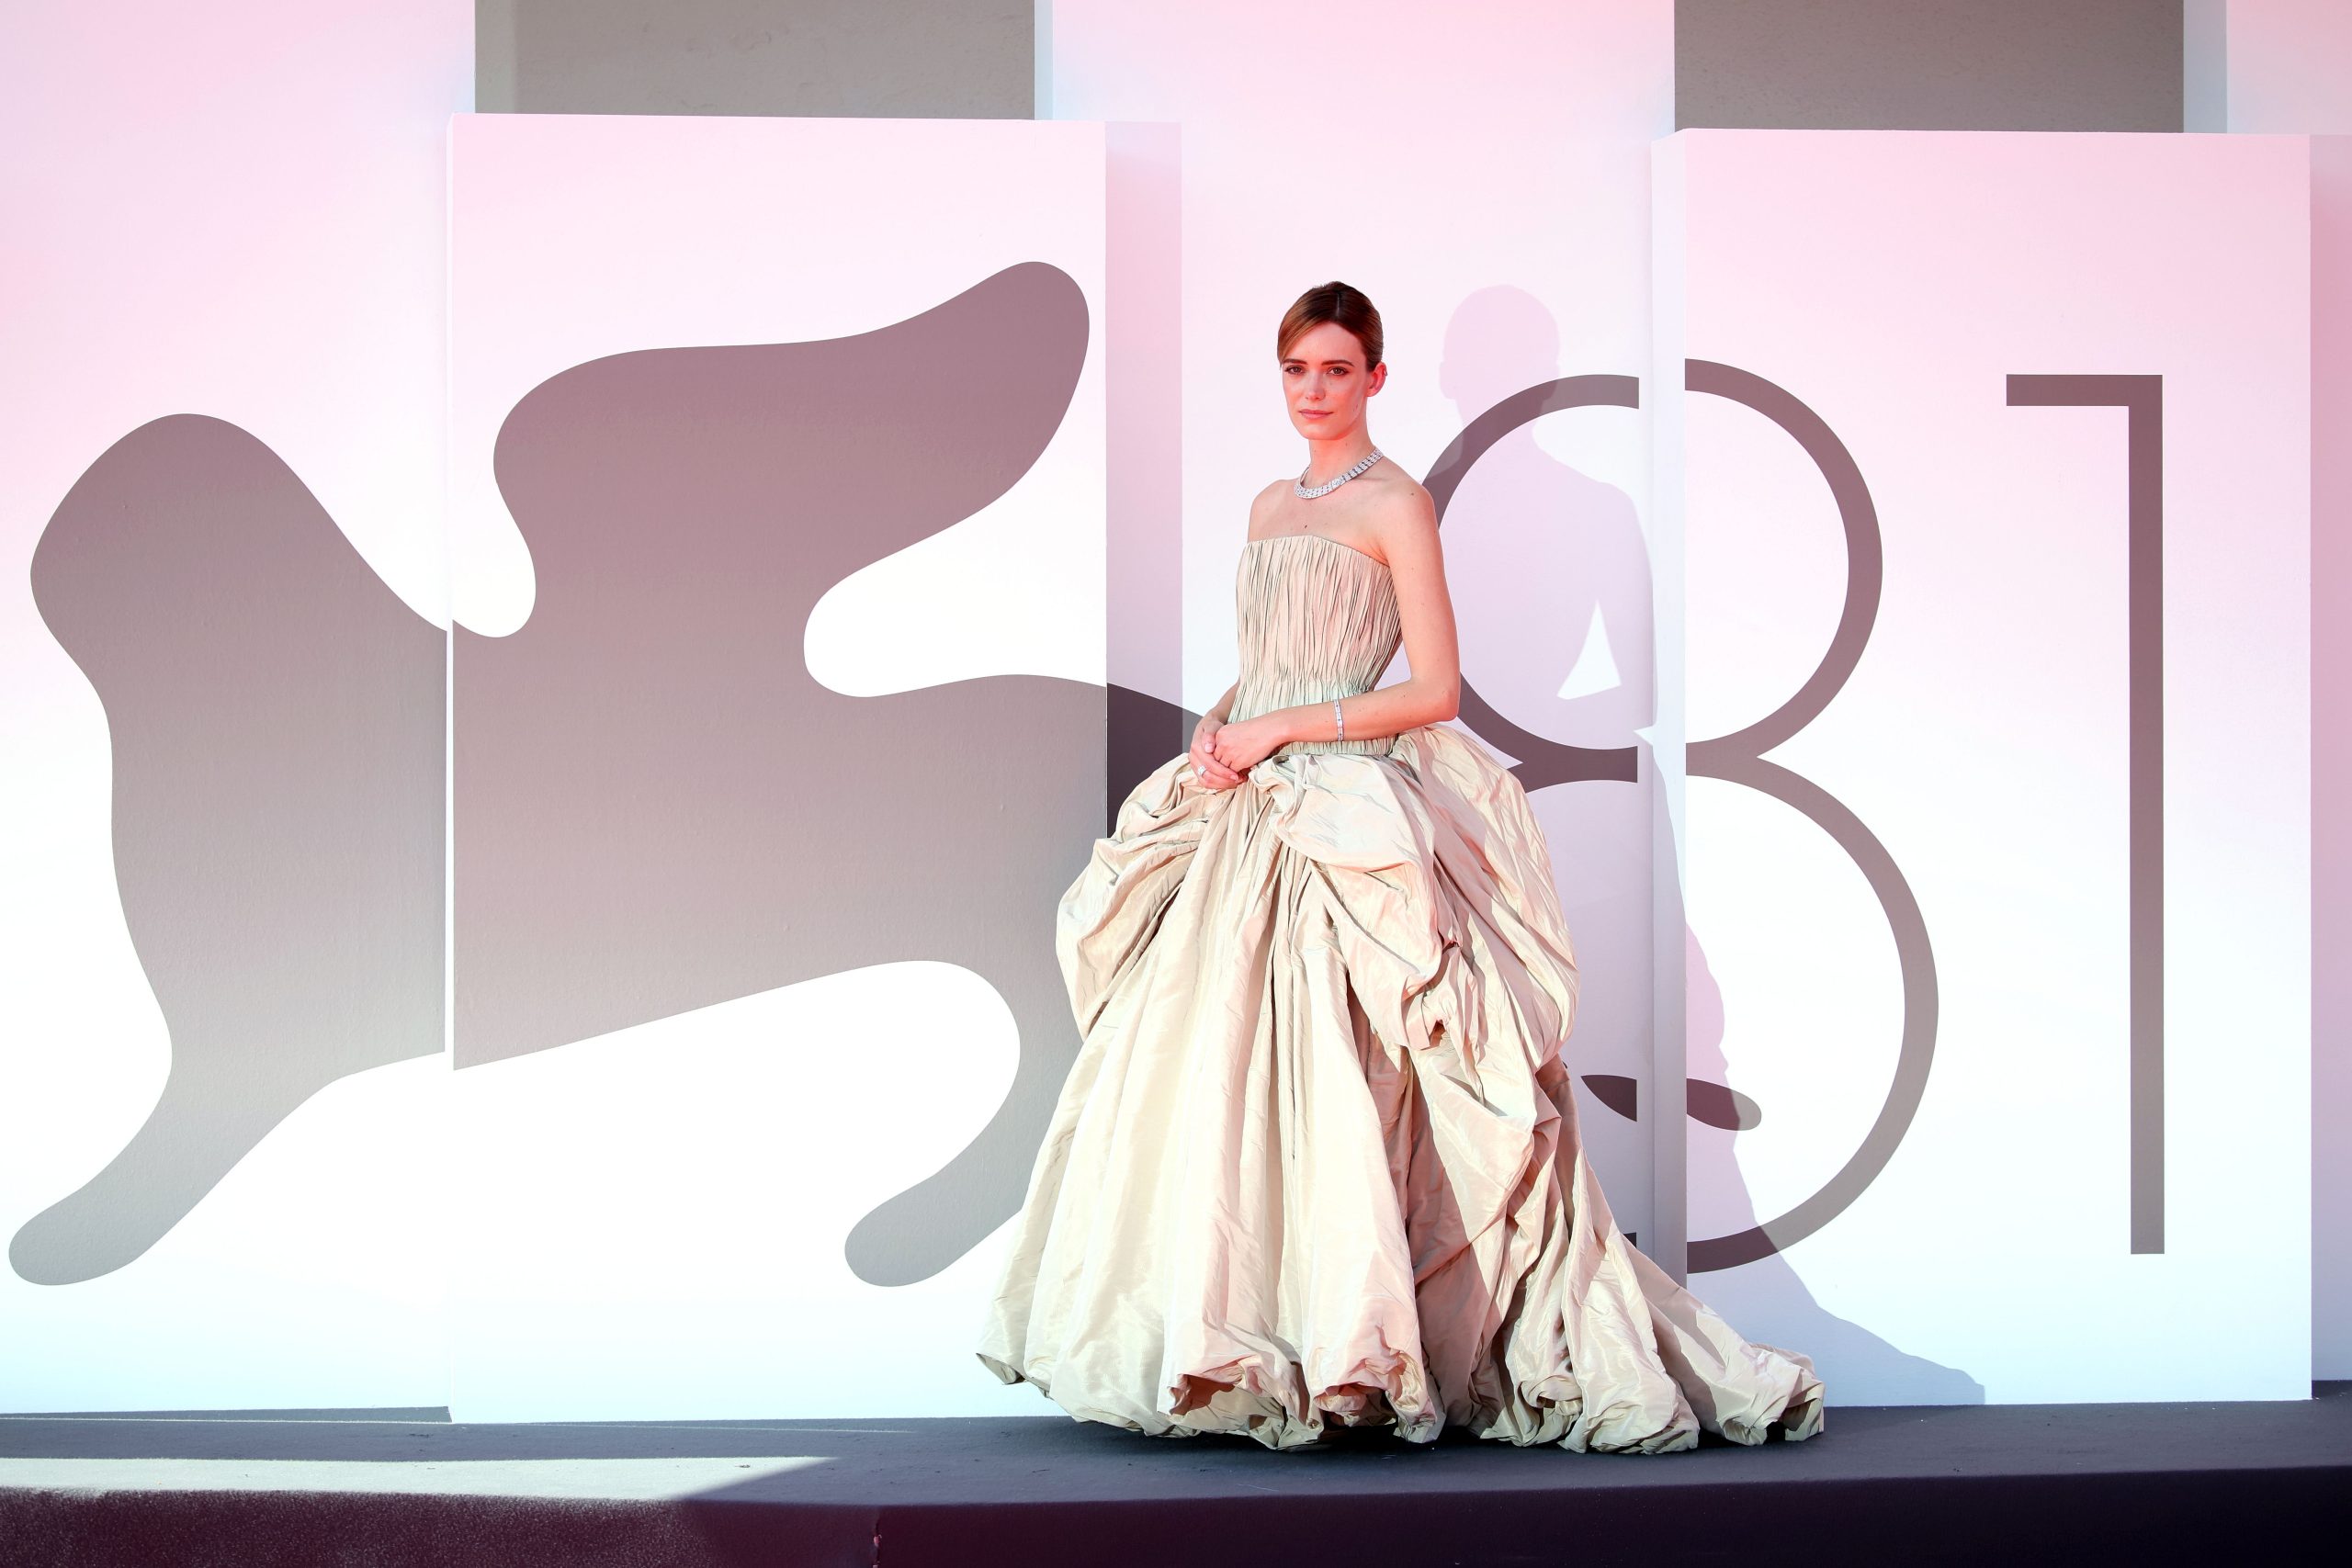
point(657, 808)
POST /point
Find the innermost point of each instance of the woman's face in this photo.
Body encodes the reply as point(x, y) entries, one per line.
point(1325, 383)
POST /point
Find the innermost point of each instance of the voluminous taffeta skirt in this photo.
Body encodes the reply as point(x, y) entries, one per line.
point(1317, 1161)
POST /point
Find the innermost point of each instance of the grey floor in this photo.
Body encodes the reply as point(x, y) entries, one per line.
point(363, 1486)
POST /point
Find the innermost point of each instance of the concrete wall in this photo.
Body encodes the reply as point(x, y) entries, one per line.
point(883, 59)
point(1929, 65)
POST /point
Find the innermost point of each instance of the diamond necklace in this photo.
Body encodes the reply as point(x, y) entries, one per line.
point(1299, 486)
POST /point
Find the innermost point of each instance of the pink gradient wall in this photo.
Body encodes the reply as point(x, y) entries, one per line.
point(238, 212)
point(1892, 284)
point(2331, 755)
point(2286, 64)
point(231, 211)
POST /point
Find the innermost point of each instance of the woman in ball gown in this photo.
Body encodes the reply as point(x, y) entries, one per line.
point(1316, 1164)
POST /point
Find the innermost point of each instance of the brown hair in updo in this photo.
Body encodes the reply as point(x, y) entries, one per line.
point(1338, 303)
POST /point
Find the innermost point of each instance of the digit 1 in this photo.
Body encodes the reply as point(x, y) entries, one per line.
point(2143, 399)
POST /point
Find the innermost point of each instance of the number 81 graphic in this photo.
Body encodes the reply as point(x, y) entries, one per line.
point(1739, 757)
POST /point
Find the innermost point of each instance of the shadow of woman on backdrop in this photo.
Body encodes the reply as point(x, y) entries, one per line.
point(1550, 574)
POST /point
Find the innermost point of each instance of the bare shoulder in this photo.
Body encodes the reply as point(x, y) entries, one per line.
point(1264, 502)
point(1400, 513)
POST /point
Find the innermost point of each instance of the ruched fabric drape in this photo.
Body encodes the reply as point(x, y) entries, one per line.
point(1317, 1161)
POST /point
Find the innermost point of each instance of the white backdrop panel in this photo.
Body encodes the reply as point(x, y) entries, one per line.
point(232, 210)
point(1891, 283)
point(694, 1267)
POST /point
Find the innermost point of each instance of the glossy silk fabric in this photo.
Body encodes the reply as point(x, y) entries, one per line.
point(1317, 1161)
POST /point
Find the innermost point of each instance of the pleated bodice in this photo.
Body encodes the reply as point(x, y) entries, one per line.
point(1316, 619)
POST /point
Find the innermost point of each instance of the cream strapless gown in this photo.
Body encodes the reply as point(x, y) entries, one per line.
point(1316, 1162)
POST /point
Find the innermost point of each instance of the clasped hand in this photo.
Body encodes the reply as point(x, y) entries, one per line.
point(1223, 753)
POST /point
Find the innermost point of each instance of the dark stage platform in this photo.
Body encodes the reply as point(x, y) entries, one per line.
point(2137, 1482)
